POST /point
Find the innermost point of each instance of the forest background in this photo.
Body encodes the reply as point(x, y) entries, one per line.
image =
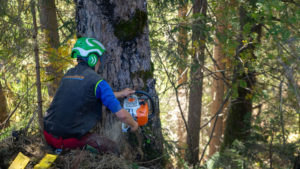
point(226, 75)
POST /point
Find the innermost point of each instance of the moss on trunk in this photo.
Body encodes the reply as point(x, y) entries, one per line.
point(128, 30)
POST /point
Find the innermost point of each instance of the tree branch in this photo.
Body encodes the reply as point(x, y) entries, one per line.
point(217, 114)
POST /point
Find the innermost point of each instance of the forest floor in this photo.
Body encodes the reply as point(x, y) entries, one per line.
point(33, 148)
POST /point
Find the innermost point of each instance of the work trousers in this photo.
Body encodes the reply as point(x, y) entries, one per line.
point(102, 144)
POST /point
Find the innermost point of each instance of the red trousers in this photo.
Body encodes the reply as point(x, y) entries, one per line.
point(101, 143)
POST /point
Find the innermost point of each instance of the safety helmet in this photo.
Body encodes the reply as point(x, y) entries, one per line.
point(88, 49)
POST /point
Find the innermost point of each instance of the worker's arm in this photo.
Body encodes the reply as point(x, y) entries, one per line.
point(104, 92)
point(124, 93)
point(125, 117)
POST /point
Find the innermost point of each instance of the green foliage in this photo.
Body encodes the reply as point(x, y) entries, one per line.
point(250, 155)
point(17, 67)
point(277, 39)
point(3, 6)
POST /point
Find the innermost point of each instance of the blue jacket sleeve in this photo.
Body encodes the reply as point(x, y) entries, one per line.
point(104, 92)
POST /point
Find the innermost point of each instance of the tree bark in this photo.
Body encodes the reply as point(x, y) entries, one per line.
point(182, 43)
point(196, 82)
point(218, 85)
point(37, 69)
point(182, 76)
point(49, 26)
point(3, 107)
point(121, 25)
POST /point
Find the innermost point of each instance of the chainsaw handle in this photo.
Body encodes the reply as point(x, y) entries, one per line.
point(151, 100)
point(125, 128)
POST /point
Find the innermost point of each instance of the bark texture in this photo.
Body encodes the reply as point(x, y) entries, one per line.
point(49, 26)
point(182, 77)
point(3, 107)
point(121, 25)
point(196, 83)
point(37, 69)
point(182, 43)
point(218, 85)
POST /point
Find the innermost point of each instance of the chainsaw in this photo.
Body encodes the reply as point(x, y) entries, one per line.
point(140, 106)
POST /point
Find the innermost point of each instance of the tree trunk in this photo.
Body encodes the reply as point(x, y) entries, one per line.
point(37, 69)
point(182, 43)
point(3, 107)
point(196, 82)
point(49, 26)
point(121, 25)
point(182, 76)
point(239, 118)
point(218, 85)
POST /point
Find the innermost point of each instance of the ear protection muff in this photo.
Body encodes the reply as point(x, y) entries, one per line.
point(74, 54)
point(92, 59)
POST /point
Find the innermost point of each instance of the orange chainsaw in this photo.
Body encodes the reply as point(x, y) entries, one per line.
point(140, 105)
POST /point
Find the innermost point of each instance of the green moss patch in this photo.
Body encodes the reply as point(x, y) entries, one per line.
point(128, 30)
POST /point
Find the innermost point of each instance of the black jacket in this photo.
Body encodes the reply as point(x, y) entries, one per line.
point(75, 108)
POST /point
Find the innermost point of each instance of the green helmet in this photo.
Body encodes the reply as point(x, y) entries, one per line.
point(88, 49)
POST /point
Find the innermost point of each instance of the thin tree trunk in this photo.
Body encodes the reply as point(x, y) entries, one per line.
point(49, 26)
point(121, 25)
point(3, 107)
point(271, 151)
point(182, 76)
point(182, 43)
point(37, 68)
point(281, 113)
point(196, 82)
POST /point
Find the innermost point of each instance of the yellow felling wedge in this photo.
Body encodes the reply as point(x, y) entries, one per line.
point(20, 162)
point(46, 162)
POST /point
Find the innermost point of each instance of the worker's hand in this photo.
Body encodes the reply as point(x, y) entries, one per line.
point(124, 93)
point(126, 118)
point(134, 128)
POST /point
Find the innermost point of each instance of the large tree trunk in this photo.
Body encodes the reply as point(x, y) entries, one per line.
point(3, 107)
point(239, 118)
point(196, 82)
point(218, 85)
point(49, 26)
point(121, 25)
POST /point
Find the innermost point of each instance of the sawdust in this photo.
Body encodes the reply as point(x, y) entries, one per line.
point(85, 159)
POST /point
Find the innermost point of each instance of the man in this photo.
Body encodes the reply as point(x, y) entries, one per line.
point(77, 104)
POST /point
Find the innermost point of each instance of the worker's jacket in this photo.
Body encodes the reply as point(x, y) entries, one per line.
point(75, 108)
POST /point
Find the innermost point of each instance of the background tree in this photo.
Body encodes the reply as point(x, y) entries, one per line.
point(49, 25)
point(182, 71)
point(3, 103)
point(196, 81)
point(182, 41)
point(219, 78)
point(244, 80)
point(123, 29)
point(37, 69)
